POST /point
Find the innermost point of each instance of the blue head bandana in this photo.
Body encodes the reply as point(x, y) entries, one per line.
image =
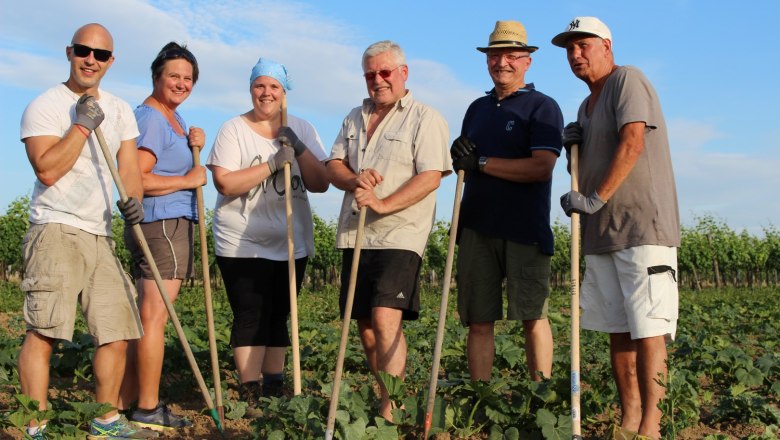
point(270, 68)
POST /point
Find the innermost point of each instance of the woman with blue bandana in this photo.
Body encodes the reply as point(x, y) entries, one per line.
point(250, 224)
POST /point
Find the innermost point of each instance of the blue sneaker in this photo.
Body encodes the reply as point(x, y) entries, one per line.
point(161, 419)
point(119, 429)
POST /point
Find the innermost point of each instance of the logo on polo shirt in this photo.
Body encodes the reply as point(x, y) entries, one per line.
point(510, 125)
point(400, 296)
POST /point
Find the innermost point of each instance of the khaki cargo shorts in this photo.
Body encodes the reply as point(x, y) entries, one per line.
point(63, 266)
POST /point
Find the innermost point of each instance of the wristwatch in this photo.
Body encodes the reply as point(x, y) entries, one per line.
point(482, 162)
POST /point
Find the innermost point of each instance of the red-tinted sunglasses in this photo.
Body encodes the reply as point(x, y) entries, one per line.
point(82, 51)
point(385, 73)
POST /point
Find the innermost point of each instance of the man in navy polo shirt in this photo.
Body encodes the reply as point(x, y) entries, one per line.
point(508, 146)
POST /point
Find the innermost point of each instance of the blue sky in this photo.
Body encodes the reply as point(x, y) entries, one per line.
point(711, 62)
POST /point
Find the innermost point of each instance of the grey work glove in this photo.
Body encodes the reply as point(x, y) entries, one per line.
point(88, 113)
point(464, 155)
point(277, 160)
point(573, 201)
point(131, 210)
point(288, 138)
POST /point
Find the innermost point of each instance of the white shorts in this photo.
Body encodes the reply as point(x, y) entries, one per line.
point(633, 291)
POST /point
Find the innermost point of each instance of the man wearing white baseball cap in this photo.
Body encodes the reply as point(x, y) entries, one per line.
point(630, 221)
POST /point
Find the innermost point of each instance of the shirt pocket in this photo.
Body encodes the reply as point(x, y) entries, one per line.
point(42, 302)
point(396, 146)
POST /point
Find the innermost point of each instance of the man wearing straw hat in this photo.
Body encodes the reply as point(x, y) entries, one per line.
point(508, 146)
point(68, 250)
point(389, 157)
point(630, 221)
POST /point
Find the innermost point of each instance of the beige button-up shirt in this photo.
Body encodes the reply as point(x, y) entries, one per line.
point(411, 139)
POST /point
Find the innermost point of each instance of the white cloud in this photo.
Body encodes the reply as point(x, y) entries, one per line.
point(321, 53)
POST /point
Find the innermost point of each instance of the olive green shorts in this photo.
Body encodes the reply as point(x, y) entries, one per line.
point(484, 263)
point(65, 266)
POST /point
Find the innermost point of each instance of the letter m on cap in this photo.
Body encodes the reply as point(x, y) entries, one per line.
point(574, 24)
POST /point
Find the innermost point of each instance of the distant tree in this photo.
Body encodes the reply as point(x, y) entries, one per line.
point(325, 267)
point(435, 256)
point(561, 260)
point(13, 226)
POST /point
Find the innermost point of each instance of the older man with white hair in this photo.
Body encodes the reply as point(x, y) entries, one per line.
point(630, 221)
point(388, 157)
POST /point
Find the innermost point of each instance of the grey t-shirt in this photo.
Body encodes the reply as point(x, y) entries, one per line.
point(643, 211)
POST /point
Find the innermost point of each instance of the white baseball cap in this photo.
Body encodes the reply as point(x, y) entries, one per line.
point(583, 25)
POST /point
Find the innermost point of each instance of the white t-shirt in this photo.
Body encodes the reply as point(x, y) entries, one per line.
point(256, 227)
point(83, 197)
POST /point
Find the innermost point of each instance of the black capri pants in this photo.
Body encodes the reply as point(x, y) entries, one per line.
point(259, 295)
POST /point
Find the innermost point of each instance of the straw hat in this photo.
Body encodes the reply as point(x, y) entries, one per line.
point(508, 34)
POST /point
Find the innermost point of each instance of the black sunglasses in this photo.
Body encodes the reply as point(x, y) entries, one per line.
point(82, 51)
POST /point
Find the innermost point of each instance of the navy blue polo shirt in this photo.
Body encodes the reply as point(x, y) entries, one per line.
point(525, 121)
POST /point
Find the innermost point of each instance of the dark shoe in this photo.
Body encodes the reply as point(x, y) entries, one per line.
point(161, 419)
point(273, 389)
point(251, 392)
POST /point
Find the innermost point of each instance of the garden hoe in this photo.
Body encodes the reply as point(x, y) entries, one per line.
point(576, 417)
point(139, 236)
point(204, 259)
point(443, 307)
point(334, 395)
point(296, 351)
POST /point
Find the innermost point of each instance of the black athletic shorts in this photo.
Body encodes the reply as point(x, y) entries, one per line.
point(385, 278)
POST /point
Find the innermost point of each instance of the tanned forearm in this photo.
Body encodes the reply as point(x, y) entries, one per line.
point(127, 160)
point(632, 143)
point(537, 168)
point(313, 172)
point(52, 157)
point(411, 192)
point(341, 175)
point(239, 182)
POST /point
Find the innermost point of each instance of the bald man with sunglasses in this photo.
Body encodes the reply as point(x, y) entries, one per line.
point(389, 157)
point(68, 250)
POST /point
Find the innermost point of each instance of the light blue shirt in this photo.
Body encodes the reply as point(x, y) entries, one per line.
point(174, 158)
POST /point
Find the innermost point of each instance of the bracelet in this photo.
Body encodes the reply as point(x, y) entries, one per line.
point(82, 129)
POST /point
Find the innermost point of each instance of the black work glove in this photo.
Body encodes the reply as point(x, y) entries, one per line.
point(288, 138)
point(464, 155)
point(131, 210)
point(573, 201)
point(277, 160)
point(88, 113)
point(572, 134)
